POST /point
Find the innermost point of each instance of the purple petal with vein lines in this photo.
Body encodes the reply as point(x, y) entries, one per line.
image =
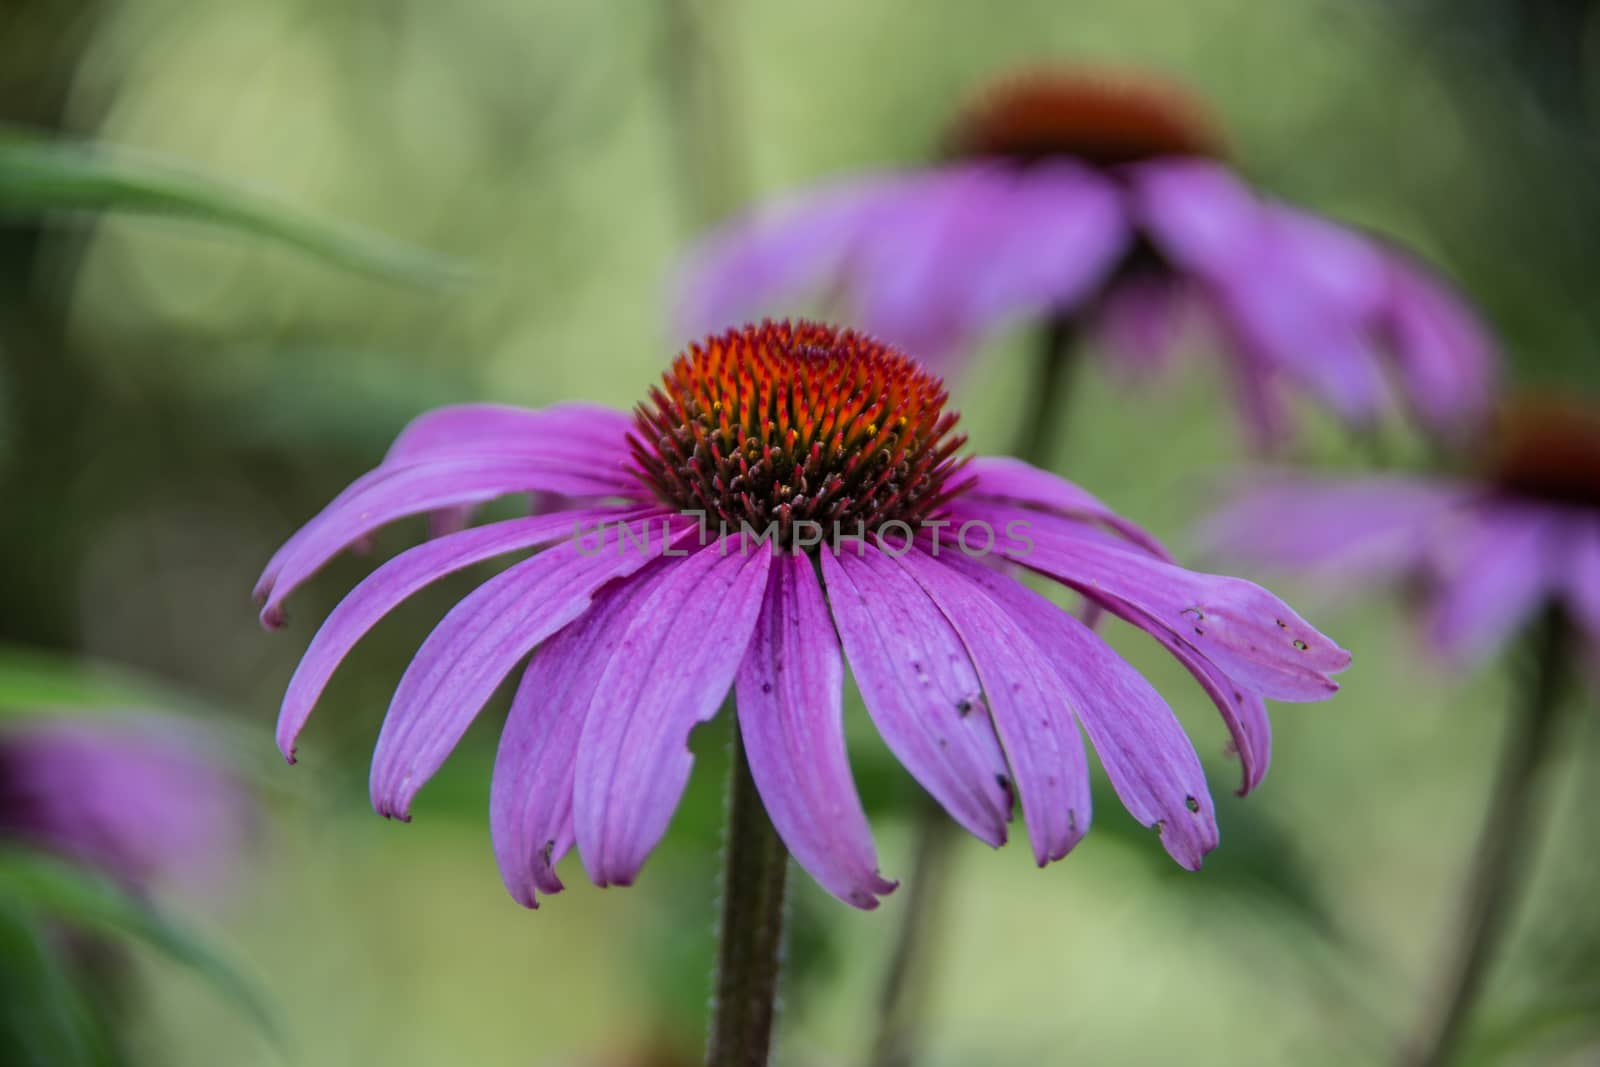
point(1149, 759)
point(383, 496)
point(671, 671)
point(791, 715)
point(530, 800)
point(469, 653)
point(1004, 478)
point(391, 584)
point(1035, 725)
point(579, 433)
point(1246, 631)
point(920, 688)
point(1243, 712)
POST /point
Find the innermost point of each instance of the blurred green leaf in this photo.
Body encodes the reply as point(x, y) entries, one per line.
point(41, 175)
point(93, 902)
point(44, 1021)
point(37, 681)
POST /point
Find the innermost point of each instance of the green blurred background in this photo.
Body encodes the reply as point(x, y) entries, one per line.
point(175, 398)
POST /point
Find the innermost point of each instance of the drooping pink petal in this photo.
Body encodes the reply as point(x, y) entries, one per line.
point(1306, 306)
point(1149, 759)
point(920, 688)
point(530, 798)
point(1050, 237)
point(909, 268)
point(589, 436)
point(385, 495)
point(394, 582)
point(472, 650)
point(1446, 357)
point(1200, 216)
point(791, 715)
point(1034, 722)
point(766, 261)
point(1348, 531)
point(670, 672)
point(1243, 711)
point(1492, 577)
point(1007, 479)
point(1250, 634)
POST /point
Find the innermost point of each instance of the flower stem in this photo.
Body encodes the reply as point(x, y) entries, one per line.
point(1502, 861)
point(903, 1000)
point(1040, 432)
point(750, 938)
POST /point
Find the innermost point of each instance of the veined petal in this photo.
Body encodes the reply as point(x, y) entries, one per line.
point(1035, 724)
point(791, 715)
point(1243, 711)
point(391, 584)
point(384, 495)
point(670, 672)
point(590, 436)
point(530, 799)
point(1492, 578)
point(1149, 759)
point(1140, 319)
point(1246, 631)
point(1004, 478)
point(792, 245)
point(920, 687)
point(472, 650)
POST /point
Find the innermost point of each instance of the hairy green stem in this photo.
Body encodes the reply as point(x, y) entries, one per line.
point(1503, 856)
point(750, 937)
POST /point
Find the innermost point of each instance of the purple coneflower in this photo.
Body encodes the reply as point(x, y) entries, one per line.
point(143, 800)
point(790, 498)
point(1486, 553)
point(1516, 548)
point(1103, 203)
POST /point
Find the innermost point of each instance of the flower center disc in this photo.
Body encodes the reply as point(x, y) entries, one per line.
point(1107, 118)
point(769, 426)
point(1548, 448)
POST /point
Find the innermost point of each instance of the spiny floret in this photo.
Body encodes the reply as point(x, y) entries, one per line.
point(774, 424)
point(1103, 117)
point(1547, 447)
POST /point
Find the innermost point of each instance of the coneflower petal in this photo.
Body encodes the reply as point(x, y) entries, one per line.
point(1035, 725)
point(391, 584)
point(1492, 576)
point(1150, 760)
point(791, 716)
point(1246, 631)
point(385, 495)
point(530, 798)
point(476, 645)
point(1004, 478)
point(670, 670)
point(1243, 711)
point(920, 688)
point(589, 436)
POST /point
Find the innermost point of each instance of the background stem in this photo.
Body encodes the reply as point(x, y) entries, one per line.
point(1502, 861)
point(750, 937)
point(903, 1001)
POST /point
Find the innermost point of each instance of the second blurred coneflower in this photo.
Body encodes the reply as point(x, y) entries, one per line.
point(1102, 203)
